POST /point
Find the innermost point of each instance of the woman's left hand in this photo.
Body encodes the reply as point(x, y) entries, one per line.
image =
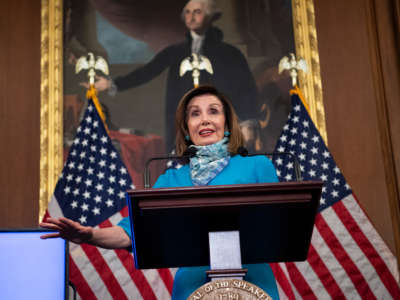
point(67, 229)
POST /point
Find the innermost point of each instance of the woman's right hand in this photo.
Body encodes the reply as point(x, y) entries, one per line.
point(67, 229)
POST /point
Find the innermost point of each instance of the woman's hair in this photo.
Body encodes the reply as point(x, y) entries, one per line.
point(231, 119)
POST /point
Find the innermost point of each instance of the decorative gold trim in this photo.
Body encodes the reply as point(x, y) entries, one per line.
point(305, 34)
point(51, 93)
point(51, 127)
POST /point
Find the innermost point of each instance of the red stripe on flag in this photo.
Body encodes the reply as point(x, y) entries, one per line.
point(368, 249)
point(324, 275)
point(104, 271)
point(343, 258)
point(46, 215)
point(165, 274)
point(301, 284)
point(125, 211)
point(167, 278)
point(137, 276)
point(76, 277)
point(283, 281)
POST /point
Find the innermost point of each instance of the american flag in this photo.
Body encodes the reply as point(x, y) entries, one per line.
point(347, 258)
point(91, 190)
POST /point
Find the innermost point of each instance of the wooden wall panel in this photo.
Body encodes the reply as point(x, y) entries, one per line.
point(384, 47)
point(19, 112)
point(354, 125)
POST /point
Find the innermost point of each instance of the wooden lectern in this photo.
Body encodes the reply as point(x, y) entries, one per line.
point(170, 226)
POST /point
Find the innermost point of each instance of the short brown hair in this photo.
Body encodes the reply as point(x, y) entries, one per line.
point(231, 119)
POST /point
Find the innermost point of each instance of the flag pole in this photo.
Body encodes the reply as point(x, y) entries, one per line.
point(91, 63)
point(92, 94)
point(296, 90)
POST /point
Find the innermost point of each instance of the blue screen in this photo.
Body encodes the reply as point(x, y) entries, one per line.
point(31, 268)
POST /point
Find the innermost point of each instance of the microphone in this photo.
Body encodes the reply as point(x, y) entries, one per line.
point(242, 151)
point(189, 153)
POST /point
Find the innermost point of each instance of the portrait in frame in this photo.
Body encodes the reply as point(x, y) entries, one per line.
point(140, 114)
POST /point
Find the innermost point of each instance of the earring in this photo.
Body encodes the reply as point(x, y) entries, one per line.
point(227, 133)
point(187, 138)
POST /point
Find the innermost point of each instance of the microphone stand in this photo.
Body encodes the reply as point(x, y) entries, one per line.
point(190, 152)
point(147, 171)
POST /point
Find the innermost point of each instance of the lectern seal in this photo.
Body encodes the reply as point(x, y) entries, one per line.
point(230, 289)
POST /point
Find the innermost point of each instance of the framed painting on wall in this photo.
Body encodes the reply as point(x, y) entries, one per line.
point(144, 45)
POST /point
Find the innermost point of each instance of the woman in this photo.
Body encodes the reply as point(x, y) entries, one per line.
point(207, 122)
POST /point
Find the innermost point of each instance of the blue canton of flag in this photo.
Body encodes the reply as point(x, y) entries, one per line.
point(173, 163)
point(94, 180)
point(302, 139)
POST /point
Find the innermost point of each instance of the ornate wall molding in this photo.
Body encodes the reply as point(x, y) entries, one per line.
point(51, 127)
point(51, 93)
point(306, 41)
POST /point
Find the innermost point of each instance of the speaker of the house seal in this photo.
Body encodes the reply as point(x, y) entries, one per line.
point(230, 289)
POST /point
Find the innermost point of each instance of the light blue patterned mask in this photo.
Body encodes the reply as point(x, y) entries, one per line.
point(209, 161)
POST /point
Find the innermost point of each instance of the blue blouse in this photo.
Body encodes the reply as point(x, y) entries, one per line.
point(240, 170)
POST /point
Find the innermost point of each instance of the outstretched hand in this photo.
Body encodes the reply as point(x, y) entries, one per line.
point(67, 229)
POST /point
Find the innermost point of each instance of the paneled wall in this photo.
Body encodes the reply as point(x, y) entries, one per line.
point(360, 75)
point(359, 53)
point(19, 112)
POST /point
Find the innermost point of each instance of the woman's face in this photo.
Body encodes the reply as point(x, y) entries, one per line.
point(205, 120)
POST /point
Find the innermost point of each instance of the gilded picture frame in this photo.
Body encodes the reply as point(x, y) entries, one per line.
point(51, 143)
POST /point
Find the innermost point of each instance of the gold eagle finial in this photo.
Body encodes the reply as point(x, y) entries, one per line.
point(292, 65)
point(91, 64)
point(195, 63)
